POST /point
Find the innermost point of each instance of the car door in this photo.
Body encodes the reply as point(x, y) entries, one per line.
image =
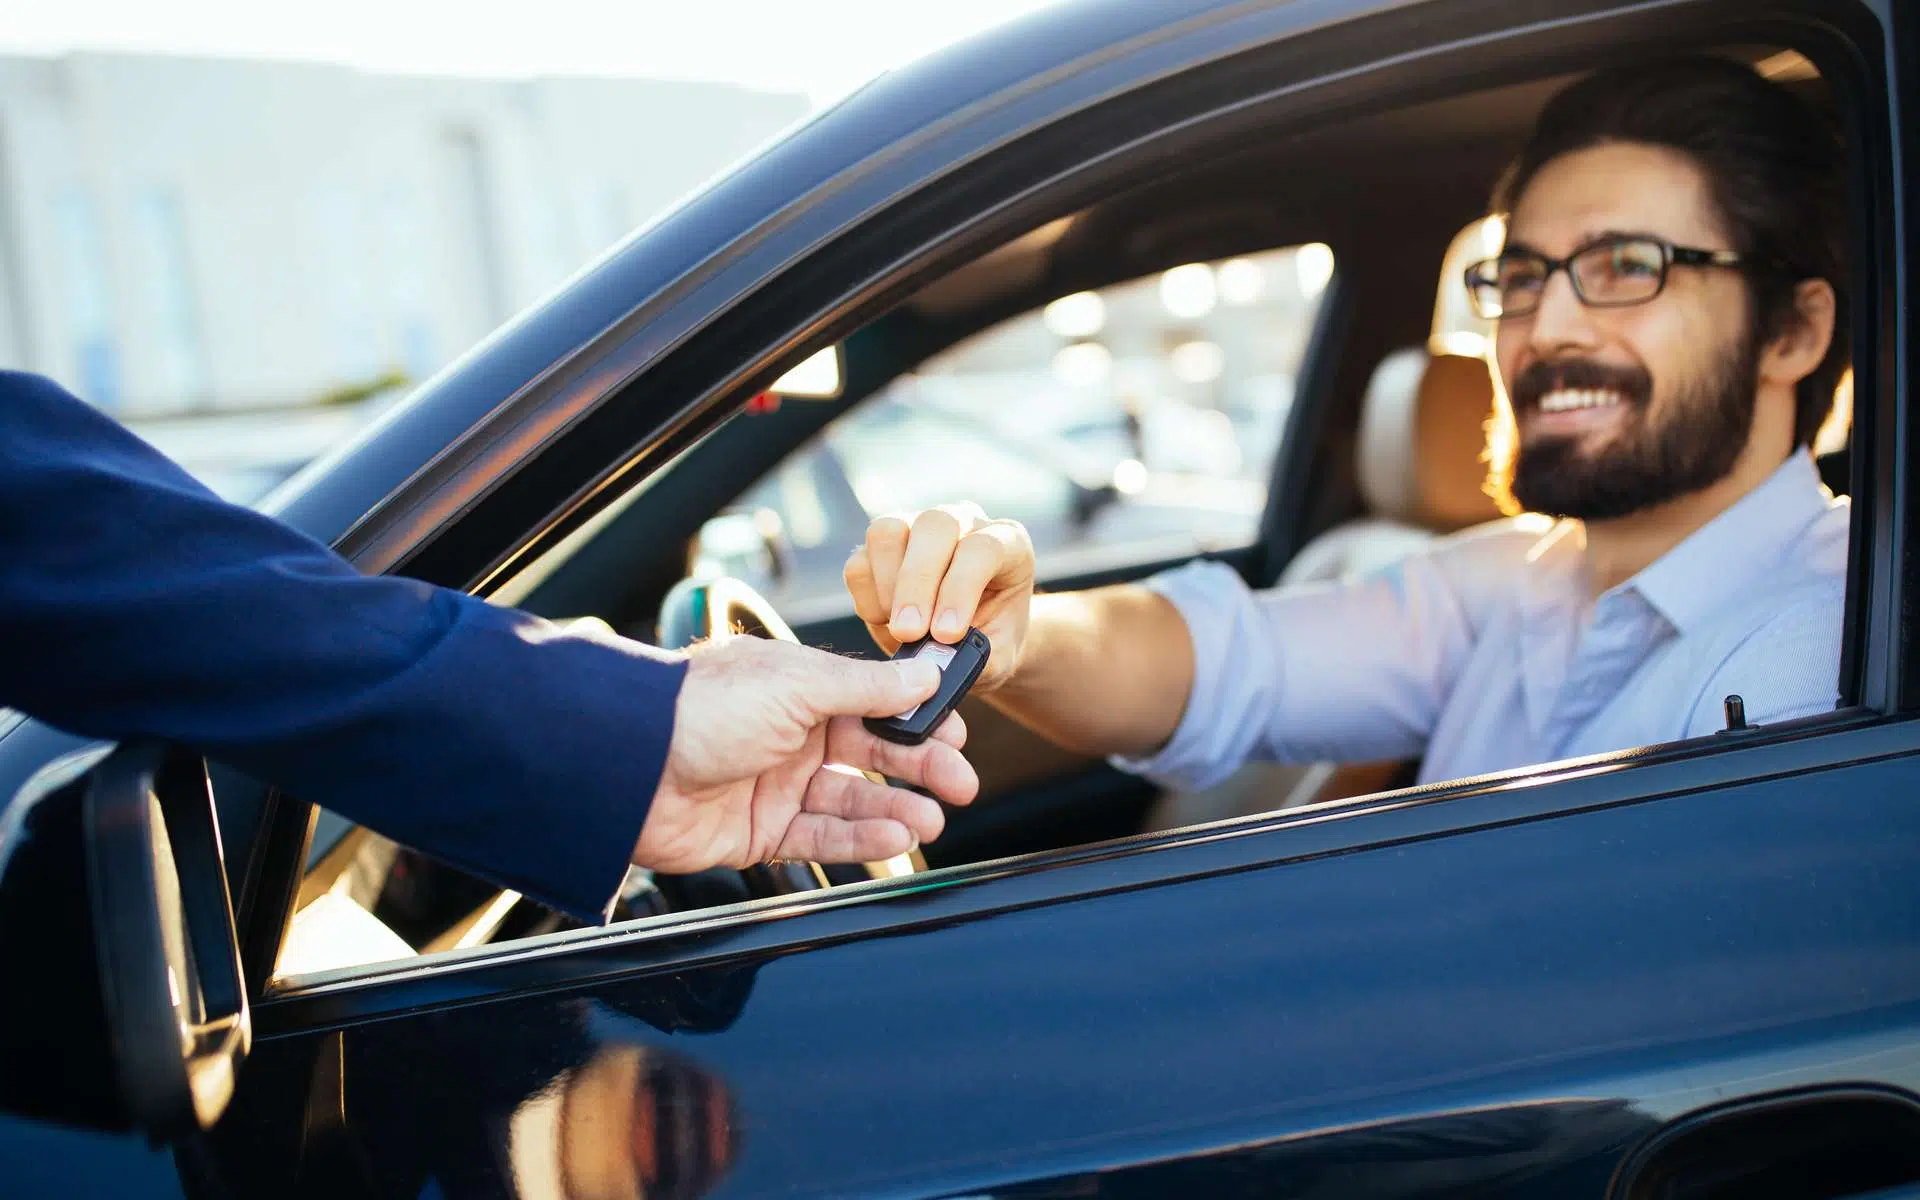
point(1501, 987)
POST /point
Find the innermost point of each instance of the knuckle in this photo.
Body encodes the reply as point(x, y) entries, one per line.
point(922, 573)
point(982, 546)
point(887, 532)
point(936, 522)
point(886, 758)
point(901, 762)
point(1008, 527)
point(916, 577)
point(966, 515)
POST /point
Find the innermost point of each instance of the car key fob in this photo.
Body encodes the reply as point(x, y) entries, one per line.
point(960, 664)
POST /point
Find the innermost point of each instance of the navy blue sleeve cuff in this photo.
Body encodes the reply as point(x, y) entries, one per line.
point(514, 750)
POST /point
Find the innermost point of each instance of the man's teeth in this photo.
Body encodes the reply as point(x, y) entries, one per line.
point(1566, 399)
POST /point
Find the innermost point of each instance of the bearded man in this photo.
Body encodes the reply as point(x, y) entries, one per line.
point(1670, 337)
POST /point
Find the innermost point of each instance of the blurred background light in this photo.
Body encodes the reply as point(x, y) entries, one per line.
point(1313, 266)
point(1082, 364)
point(1197, 361)
point(1187, 292)
point(1077, 316)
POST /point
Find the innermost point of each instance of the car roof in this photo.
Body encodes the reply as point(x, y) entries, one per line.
point(840, 165)
point(998, 71)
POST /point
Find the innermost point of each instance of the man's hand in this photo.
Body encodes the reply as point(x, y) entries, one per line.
point(940, 571)
point(747, 778)
point(946, 568)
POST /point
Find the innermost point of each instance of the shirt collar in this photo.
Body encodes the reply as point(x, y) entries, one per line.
point(1735, 550)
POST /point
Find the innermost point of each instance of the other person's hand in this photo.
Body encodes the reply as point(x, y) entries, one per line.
point(748, 779)
point(940, 571)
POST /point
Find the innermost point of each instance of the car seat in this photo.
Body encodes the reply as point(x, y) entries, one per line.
point(1418, 462)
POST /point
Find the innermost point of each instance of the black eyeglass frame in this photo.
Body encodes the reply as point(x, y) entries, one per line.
point(1670, 254)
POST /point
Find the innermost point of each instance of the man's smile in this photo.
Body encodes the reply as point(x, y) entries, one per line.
point(1566, 399)
point(1572, 411)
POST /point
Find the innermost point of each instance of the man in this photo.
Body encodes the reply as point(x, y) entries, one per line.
point(1670, 337)
point(133, 602)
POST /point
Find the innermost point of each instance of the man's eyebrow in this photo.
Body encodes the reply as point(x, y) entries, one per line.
point(1595, 238)
point(1609, 235)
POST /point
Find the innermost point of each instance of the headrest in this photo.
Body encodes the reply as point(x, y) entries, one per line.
point(1422, 432)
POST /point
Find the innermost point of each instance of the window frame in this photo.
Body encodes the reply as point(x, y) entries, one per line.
point(1879, 653)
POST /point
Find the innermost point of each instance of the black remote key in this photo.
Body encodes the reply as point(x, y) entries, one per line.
point(960, 664)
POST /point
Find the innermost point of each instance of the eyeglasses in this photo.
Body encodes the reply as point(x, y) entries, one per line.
point(1613, 272)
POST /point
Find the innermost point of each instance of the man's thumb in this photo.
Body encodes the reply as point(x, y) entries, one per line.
point(852, 687)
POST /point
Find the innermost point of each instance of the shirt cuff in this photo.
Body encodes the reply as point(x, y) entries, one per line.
point(1226, 707)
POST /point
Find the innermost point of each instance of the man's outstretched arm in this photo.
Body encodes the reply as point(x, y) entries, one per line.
point(134, 602)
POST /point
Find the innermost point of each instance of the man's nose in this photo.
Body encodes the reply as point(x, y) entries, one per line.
point(1562, 321)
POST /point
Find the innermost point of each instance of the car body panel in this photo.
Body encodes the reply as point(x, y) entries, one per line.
point(1525, 1002)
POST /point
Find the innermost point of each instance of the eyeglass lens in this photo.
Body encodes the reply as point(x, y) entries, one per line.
point(1622, 271)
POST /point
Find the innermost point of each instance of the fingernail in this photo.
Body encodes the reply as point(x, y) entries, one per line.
point(949, 621)
point(907, 618)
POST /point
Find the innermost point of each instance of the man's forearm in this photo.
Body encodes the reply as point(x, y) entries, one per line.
point(1105, 671)
point(135, 603)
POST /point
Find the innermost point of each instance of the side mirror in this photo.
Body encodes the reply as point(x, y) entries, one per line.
point(170, 977)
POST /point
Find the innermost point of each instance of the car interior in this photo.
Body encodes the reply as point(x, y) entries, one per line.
point(1377, 450)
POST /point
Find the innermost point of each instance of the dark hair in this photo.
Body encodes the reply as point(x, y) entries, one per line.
point(1774, 168)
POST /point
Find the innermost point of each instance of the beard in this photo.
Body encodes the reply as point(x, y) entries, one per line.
point(1647, 461)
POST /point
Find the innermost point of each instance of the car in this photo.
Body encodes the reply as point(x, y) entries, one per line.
point(1686, 970)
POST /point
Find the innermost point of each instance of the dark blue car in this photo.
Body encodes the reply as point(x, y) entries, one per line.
point(1687, 970)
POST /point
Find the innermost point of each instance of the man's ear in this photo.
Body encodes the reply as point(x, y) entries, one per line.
point(1802, 340)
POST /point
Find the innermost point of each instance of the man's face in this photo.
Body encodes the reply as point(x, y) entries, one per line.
point(1620, 409)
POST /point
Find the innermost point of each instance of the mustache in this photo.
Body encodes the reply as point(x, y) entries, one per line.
point(1579, 374)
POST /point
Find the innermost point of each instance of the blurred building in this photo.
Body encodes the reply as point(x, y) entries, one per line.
point(183, 235)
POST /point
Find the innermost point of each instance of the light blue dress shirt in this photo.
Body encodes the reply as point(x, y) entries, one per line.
point(1486, 651)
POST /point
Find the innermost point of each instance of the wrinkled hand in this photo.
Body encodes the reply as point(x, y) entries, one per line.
point(747, 778)
point(942, 570)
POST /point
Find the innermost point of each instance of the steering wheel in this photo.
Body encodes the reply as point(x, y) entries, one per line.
point(723, 607)
point(715, 610)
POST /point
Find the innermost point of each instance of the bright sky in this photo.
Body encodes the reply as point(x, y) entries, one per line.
point(824, 48)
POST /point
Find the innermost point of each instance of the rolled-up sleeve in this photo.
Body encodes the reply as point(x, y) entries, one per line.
point(1348, 671)
point(1227, 709)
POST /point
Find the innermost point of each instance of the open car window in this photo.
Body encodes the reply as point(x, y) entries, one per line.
point(1131, 425)
point(1136, 423)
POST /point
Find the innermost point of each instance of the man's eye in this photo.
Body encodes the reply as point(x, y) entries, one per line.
point(1519, 277)
point(1632, 262)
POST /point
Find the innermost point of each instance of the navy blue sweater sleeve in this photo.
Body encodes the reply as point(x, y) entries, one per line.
point(134, 602)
